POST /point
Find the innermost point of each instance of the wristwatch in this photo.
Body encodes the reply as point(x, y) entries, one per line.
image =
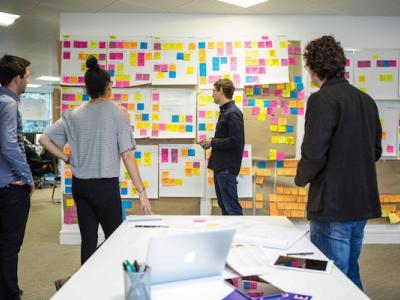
point(142, 191)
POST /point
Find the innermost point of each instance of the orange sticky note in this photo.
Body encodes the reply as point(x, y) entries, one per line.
point(259, 180)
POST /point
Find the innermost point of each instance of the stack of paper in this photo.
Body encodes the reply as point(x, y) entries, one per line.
point(248, 260)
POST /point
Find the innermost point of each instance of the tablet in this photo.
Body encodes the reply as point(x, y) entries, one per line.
point(254, 287)
point(303, 264)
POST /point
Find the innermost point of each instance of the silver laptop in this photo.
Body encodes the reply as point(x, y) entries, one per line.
point(188, 255)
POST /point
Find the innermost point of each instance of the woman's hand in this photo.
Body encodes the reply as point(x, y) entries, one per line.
point(145, 203)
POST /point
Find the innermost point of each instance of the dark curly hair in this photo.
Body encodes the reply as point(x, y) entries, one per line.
point(325, 56)
point(96, 78)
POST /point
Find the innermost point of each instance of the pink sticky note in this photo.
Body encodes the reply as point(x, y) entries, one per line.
point(247, 44)
point(156, 96)
point(67, 44)
point(300, 111)
point(67, 220)
point(268, 44)
point(102, 45)
point(66, 79)
point(143, 132)
point(139, 77)
point(164, 68)
point(246, 154)
point(245, 102)
point(202, 137)
point(174, 155)
point(255, 111)
point(81, 79)
point(300, 95)
point(284, 62)
point(229, 48)
point(278, 93)
point(164, 155)
point(66, 55)
point(389, 149)
point(202, 114)
point(271, 111)
point(146, 77)
point(261, 44)
point(64, 107)
point(292, 60)
point(274, 120)
point(280, 156)
point(154, 133)
point(199, 220)
point(189, 119)
point(162, 126)
point(220, 51)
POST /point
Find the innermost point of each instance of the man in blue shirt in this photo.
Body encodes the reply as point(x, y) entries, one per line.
point(16, 183)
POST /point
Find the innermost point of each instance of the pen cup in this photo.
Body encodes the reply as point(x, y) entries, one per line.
point(137, 285)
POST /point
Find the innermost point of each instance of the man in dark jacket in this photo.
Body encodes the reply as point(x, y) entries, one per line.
point(341, 144)
point(227, 148)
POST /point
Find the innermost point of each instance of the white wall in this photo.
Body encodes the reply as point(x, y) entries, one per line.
point(354, 32)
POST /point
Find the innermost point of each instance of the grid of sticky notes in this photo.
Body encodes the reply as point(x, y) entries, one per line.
point(173, 113)
point(266, 60)
point(72, 97)
point(262, 172)
point(376, 73)
point(174, 62)
point(75, 51)
point(66, 173)
point(69, 208)
point(208, 112)
point(146, 157)
point(293, 89)
point(288, 202)
point(181, 170)
point(389, 118)
point(244, 179)
point(219, 60)
point(129, 61)
point(390, 207)
point(138, 104)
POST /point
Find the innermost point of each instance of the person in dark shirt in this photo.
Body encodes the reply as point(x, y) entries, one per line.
point(227, 148)
point(341, 144)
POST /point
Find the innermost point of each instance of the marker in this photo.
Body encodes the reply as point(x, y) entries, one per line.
point(136, 266)
point(129, 266)
point(300, 253)
point(151, 226)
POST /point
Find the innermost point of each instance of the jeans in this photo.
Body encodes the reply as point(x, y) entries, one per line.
point(14, 210)
point(341, 242)
point(226, 190)
point(98, 201)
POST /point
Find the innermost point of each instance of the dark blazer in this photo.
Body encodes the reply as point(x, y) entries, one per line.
point(342, 141)
point(228, 142)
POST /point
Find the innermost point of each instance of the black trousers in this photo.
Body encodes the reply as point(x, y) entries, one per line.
point(98, 201)
point(14, 210)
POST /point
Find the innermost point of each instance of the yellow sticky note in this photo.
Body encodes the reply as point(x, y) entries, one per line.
point(196, 172)
point(187, 56)
point(69, 202)
point(157, 55)
point(272, 154)
point(283, 44)
point(361, 78)
point(138, 96)
point(179, 182)
point(190, 70)
point(160, 75)
point(394, 218)
point(273, 128)
point(272, 52)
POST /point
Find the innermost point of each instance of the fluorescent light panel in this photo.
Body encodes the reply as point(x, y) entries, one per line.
point(7, 19)
point(48, 78)
point(243, 3)
point(33, 85)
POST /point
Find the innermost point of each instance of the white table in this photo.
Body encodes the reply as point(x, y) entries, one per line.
point(101, 277)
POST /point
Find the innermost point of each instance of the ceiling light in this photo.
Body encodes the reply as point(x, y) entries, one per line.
point(7, 19)
point(48, 78)
point(33, 85)
point(243, 3)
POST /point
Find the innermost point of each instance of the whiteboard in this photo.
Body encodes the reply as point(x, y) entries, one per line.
point(174, 61)
point(74, 52)
point(147, 159)
point(389, 116)
point(129, 60)
point(173, 113)
point(182, 169)
point(376, 73)
point(220, 59)
point(35, 106)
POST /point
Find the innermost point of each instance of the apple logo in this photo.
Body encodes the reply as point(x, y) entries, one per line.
point(190, 257)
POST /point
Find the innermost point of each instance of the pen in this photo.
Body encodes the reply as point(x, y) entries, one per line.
point(151, 226)
point(300, 253)
point(129, 266)
point(136, 266)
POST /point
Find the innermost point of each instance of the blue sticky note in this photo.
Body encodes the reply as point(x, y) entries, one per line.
point(145, 117)
point(267, 103)
point(140, 106)
point(300, 86)
point(257, 91)
point(297, 79)
point(111, 72)
point(68, 190)
point(175, 119)
point(172, 74)
point(203, 69)
point(249, 79)
point(124, 191)
point(293, 111)
point(215, 64)
point(143, 45)
point(279, 164)
point(85, 97)
point(192, 152)
point(289, 128)
point(126, 204)
point(202, 127)
point(138, 154)
point(246, 285)
point(68, 181)
point(202, 45)
point(386, 63)
point(262, 164)
point(251, 102)
point(189, 128)
point(224, 60)
point(293, 94)
point(179, 56)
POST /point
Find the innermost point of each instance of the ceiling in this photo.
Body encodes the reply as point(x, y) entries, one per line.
point(34, 35)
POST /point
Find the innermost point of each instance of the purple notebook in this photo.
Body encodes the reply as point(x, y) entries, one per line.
point(235, 295)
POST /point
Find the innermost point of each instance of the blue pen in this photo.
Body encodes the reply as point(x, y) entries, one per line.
point(129, 266)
